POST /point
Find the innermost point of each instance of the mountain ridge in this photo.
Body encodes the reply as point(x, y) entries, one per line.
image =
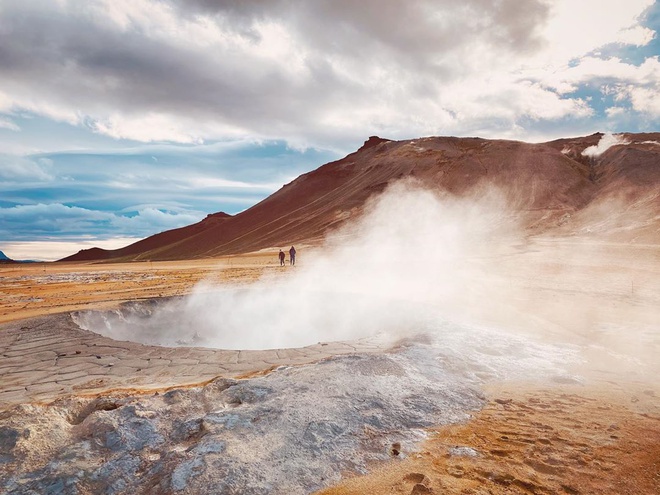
point(544, 182)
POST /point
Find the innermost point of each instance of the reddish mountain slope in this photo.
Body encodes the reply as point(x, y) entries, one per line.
point(546, 183)
point(627, 204)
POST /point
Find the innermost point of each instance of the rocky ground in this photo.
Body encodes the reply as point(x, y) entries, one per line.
point(461, 408)
point(560, 440)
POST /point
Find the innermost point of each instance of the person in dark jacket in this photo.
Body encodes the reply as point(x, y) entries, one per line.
point(292, 256)
point(281, 255)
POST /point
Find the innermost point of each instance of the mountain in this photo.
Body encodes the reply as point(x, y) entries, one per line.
point(4, 258)
point(547, 183)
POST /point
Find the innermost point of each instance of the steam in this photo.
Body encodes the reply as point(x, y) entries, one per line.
point(415, 258)
point(459, 270)
point(605, 143)
point(412, 255)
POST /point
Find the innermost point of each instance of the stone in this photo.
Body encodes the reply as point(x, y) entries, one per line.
point(417, 478)
point(183, 473)
point(8, 439)
point(420, 489)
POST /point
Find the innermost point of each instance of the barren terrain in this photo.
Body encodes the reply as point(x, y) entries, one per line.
point(592, 428)
point(34, 289)
point(486, 325)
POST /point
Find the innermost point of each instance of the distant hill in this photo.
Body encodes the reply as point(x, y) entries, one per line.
point(5, 259)
point(554, 186)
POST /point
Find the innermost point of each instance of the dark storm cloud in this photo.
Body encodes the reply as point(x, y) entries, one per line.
point(82, 65)
point(417, 28)
point(96, 65)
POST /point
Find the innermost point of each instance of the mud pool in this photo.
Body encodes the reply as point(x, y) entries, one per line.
point(292, 431)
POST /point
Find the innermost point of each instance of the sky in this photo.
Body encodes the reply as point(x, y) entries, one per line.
point(123, 118)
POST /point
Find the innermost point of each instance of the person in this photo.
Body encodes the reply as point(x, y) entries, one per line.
point(292, 256)
point(281, 258)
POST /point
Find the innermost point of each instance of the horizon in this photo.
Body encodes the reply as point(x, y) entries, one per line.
point(151, 115)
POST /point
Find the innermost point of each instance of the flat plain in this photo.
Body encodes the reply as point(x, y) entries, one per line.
point(597, 433)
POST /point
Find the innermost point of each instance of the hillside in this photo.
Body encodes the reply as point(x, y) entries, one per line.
point(552, 186)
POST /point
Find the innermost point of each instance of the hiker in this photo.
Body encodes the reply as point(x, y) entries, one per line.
point(281, 255)
point(292, 256)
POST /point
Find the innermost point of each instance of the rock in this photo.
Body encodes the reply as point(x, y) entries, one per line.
point(417, 478)
point(463, 452)
point(8, 439)
point(186, 430)
point(210, 446)
point(117, 474)
point(420, 489)
point(293, 431)
point(242, 394)
point(227, 421)
point(372, 141)
point(318, 434)
point(183, 473)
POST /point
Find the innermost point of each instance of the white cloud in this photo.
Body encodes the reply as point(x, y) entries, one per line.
point(48, 220)
point(576, 28)
point(613, 68)
point(56, 249)
point(638, 36)
point(637, 85)
point(24, 169)
point(645, 100)
point(8, 124)
point(615, 111)
point(146, 128)
point(609, 72)
point(314, 73)
point(214, 182)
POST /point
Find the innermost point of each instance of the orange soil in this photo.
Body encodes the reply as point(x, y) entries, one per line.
point(35, 289)
point(533, 441)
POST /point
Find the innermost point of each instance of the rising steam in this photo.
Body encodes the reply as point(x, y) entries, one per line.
point(606, 142)
point(413, 253)
point(417, 261)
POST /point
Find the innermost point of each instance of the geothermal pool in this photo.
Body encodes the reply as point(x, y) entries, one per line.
point(480, 353)
point(254, 319)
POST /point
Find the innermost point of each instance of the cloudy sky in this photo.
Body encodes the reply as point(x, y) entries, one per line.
point(123, 118)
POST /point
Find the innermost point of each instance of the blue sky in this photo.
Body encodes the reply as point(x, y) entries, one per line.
point(123, 118)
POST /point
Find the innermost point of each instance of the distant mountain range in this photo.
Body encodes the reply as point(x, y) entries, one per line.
point(556, 188)
point(4, 258)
